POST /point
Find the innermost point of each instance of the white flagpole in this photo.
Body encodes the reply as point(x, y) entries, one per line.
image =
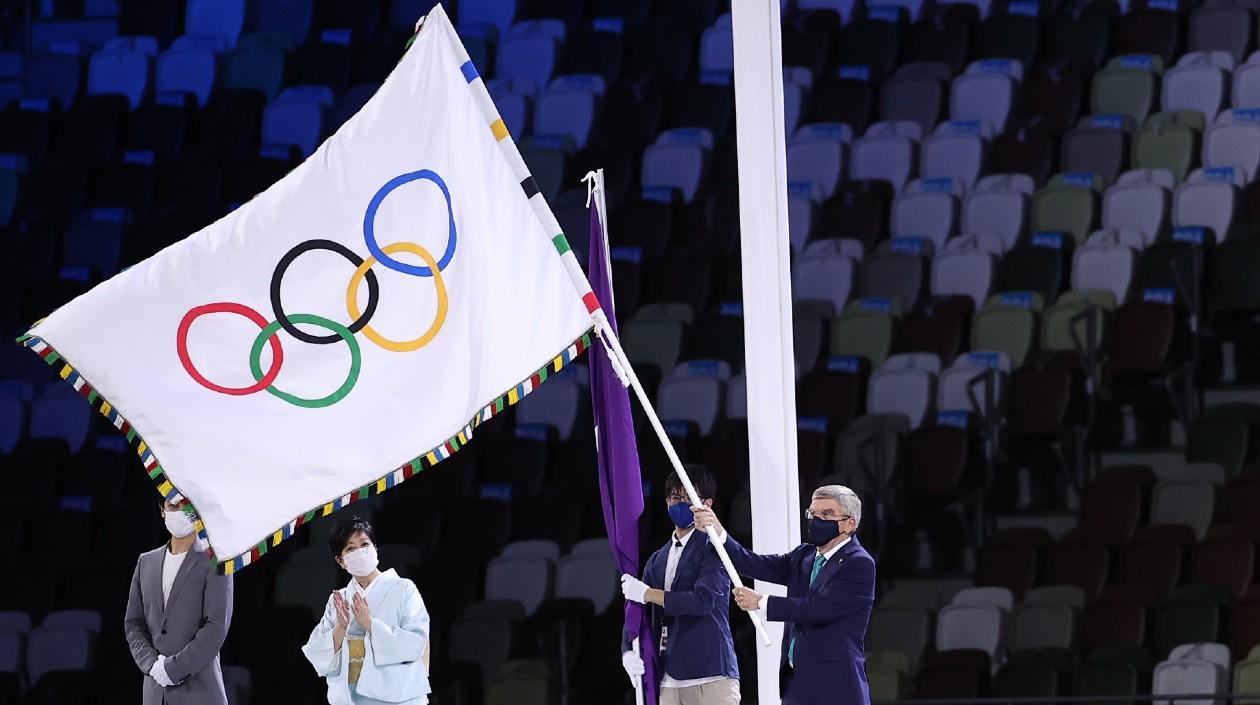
point(621, 364)
point(638, 680)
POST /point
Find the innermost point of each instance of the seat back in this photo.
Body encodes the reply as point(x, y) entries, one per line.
point(958, 150)
point(971, 627)
point(1104, 151)
point(1011, 331)
point(526, 580)
point(1124, 91)
point(892, 159)
point(909, 392)
point(988, 97)
point(1202, 88)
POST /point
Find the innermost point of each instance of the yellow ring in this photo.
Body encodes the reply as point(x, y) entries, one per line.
point(352, 299)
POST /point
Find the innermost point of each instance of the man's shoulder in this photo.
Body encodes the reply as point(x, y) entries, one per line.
point(152, 555)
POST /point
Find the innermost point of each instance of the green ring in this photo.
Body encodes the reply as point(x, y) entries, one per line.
point(255, 360)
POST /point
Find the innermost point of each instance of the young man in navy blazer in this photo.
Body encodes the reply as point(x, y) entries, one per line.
point(688, 593)
point(831, 588)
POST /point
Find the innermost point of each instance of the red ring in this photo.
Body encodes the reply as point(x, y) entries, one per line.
point(181, 346)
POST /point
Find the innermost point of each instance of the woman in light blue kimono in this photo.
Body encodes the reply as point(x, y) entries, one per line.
point(372, 645)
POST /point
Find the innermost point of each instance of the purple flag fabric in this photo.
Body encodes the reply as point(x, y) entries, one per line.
point(620, 483)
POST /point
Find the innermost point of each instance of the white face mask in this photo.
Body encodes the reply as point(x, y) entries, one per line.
point(360, 561)
point(178, 523)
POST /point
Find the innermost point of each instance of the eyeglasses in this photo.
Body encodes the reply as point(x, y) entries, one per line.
point(676, 498)
point(827, 515)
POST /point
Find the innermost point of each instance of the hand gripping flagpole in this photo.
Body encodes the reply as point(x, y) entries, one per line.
point(621, 365)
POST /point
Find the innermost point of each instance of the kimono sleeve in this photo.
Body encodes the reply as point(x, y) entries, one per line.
point(404, 643)
point(319, 648)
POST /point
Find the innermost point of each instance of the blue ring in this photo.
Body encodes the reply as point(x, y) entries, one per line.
point(369, 218)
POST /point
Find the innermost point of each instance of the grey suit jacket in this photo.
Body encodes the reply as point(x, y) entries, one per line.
point(189, 629)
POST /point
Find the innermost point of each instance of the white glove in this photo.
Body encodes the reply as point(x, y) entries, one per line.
point(158, 673)
point(633, 589)
point(633, 664)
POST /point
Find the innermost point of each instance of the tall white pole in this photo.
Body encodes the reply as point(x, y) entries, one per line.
point(768, 358)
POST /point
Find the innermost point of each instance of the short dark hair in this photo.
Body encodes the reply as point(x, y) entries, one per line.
point(701, 478)
point(346, 528)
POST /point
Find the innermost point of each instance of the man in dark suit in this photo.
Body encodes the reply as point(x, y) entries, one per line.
point(689, 594)
point(177, 618)
point(831, 589)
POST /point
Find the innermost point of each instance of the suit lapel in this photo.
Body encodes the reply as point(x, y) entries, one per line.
point(833, 565)
point(151, 578)
point(193, 558)
point(694, 543)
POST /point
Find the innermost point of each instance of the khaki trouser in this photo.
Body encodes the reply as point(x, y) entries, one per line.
point(723, 692)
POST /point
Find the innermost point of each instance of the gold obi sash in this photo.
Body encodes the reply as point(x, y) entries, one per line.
point(357, 654)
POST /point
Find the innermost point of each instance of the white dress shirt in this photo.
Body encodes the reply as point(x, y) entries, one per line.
point(170, 568)
point(671, 569)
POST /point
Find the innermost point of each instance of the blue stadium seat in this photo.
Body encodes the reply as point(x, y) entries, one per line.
point(187, 71)
point(257, 67)
point(289, 17)
point(547, 27)
point(496, 15)
point(123, 71)
point(94, 242)
point(568, 112)
point(11, 68)
point(329, 62)
point(716, 47)
point(12, 418)
point(14, 170)
point(154, 18)
point(51, 75)
point(403, 14)
point(139, 42)
point(351, 103)
point(678, 160)
point(220, 18)
point(200, 42)
point(100, 8)
point(513, 107)
point(59, 412)
point(296, 118)
point(530, 58)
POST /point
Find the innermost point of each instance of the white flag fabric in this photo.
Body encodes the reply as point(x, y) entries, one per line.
point(346, 328)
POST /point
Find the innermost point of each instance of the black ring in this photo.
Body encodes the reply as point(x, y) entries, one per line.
point(278, 275)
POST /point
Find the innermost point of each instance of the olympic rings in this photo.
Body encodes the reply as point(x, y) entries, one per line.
point(283, 265)
point(359, 319)
point(255, 364)
point(369, 225)
point(263, 381)
point(439, 317)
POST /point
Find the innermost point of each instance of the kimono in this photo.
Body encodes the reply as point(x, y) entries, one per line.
point(392, 670)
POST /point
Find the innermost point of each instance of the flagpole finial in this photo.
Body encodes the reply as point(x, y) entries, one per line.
point(592, 183)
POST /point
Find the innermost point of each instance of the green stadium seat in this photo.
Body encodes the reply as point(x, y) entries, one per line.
point(1169, 141)
point(866, 330)
point(1008, 323)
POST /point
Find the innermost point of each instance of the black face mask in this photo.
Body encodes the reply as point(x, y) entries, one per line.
point(822, 531)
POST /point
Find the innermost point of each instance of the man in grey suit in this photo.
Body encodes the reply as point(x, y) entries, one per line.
point(177, 618)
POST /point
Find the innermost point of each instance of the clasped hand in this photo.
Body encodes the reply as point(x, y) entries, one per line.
point(358, 606)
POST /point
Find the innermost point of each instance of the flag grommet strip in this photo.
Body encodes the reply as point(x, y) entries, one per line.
point(536, 201)
point(167, 488)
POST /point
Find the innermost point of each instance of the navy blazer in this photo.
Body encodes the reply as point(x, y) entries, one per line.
point(828, 619)
point(696, 612)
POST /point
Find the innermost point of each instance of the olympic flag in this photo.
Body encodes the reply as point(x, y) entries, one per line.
point(343, 330)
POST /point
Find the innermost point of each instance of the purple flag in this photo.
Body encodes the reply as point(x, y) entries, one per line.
point(620, 484)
